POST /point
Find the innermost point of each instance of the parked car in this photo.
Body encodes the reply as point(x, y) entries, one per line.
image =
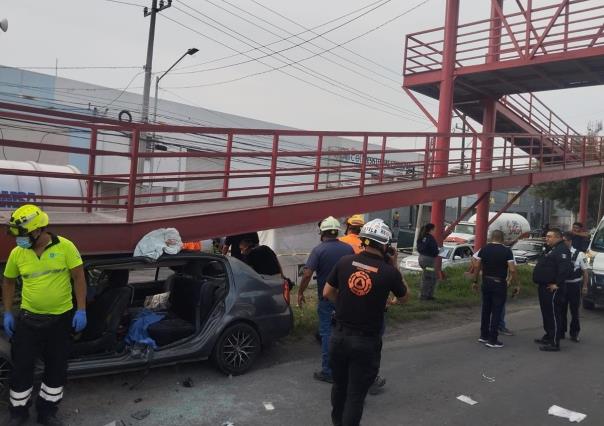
point(214, 307)
point(529, 250)
point(452, 254)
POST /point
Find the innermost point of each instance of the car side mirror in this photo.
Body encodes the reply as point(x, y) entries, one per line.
point(456, 257)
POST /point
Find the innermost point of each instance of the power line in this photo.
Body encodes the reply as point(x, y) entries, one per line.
point(91, 67)
point(126, 3)
point(397, 73)
point(309, 50)
point(283, 39)
point(272, 69)
point(275, 52)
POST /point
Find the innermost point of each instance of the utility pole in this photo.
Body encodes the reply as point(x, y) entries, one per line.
point(149, 64)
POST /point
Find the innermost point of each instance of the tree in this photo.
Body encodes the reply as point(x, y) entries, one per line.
point(567, 192)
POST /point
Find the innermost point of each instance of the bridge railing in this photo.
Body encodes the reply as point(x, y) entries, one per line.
point(129, 168)
point(525, 34)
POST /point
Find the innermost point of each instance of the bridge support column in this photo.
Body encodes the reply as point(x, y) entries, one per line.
point(445, 111)
point(583, 198)
point(488, 126)
point(486, 162)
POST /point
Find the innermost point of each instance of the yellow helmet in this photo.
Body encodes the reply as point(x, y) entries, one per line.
point(26, 219)
point(356, 220)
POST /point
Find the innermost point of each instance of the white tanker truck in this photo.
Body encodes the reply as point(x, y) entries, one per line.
point(513, 225)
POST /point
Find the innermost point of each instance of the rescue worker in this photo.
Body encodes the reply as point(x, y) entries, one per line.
point(496, 261)
point(353, 227)
point(47, 265)
point(550, 274)
point(575, 285)
point(322, 259)
point(359, 285)
point(427, 247)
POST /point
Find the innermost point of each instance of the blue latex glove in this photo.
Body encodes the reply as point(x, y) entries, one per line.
point(9, 324)
point(79, 320)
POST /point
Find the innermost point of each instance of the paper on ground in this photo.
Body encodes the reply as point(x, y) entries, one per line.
point(466, 399)
point(269, 406)
point(572, 416)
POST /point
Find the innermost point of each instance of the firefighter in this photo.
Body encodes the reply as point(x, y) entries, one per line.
point(550, 274)
point(353, 227)
point(359, 285)
point(47, 265)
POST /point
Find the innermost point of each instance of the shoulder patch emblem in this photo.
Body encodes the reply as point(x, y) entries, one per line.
point(563, 256)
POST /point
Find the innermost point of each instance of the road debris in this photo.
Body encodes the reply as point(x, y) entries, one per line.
point(137, 400)
point(187, 383)
point(228, 423)
point(268, 406)
point(116, 423)
point(488, 379)
point(467, 400)
point(139, 415)
point(572, 416)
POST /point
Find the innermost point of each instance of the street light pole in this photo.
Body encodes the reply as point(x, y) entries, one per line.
point(191, 52)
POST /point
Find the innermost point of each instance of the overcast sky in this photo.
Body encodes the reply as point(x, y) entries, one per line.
point(104, 33)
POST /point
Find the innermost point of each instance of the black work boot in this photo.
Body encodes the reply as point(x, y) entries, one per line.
point(49, 419)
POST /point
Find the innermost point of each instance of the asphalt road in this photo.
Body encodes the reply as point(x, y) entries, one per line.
point(426, 371)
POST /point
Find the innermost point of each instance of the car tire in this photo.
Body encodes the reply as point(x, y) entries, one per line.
point(589, 305)
point(5, 369)
point(237, 349)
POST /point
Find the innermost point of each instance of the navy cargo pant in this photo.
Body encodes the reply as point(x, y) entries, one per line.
point(45, 337)
point(494, 295)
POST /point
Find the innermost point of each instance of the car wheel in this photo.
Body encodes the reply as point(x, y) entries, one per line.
point(237, 349)
point(589, 305)
point(5, 369)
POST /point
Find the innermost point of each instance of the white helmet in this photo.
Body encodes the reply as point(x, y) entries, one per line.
point(329, 224)
point(376, 230)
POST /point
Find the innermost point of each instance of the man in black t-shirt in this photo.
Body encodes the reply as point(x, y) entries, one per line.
point(233, 241)
point(262, 259)
point(495, 260)
point(359, 286)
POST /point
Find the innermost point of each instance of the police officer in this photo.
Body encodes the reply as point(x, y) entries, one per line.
point(359, 285)
point(576, 284)
point(550, 274)
point(46, 264)
point(322, 259)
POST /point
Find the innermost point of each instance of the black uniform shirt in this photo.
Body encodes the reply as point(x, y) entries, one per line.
point(234, 240)
point(364, 281)
point(494, 258)
point(554, 267)
point(427, 246)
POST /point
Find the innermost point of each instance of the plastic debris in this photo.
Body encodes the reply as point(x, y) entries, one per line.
point(188, 382)
point(487, 378)
point(116, 423)
point(268, 406)
point(572, 416)
point(467, 400)
point(228, 424)
point(139, 415)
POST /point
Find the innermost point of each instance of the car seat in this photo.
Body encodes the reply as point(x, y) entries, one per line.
point(183, 318)
point(104, 315)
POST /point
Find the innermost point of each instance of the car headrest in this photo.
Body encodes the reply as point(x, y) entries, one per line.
point(213, 269)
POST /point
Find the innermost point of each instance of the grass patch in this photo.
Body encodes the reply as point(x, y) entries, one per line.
point(453, 292)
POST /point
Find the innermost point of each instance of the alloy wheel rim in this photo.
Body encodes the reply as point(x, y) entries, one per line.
point(239, 348)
